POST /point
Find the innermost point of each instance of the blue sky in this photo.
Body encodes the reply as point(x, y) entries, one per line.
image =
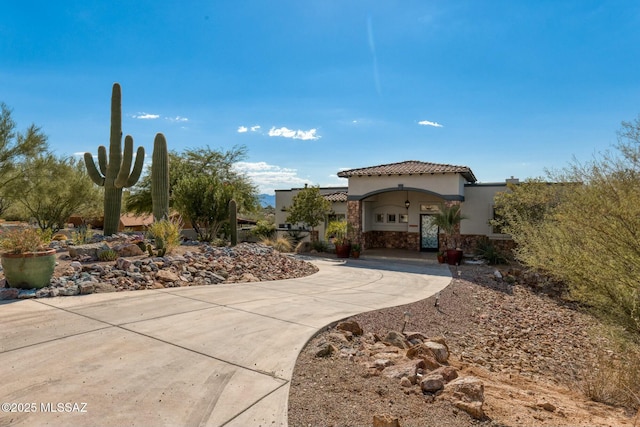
point(312, 87)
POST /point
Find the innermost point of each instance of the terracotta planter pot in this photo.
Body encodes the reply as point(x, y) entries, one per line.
point(355, 254)
point(453, 256)
point(29, 270)
point(343, 251)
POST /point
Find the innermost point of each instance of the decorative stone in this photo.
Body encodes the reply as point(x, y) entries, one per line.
point(26, 293)
point(167, 276)
point(385, 420)
point(350, 326)
point(89, 250)
point(86, 288)
point(467, 394)
point(123, 263)
point(8, 293)
point(432, 383)
point(448, 373)
point(128, 250)
point(76, 266)
point(396, 339)
point(439, 351)
point(326, 350)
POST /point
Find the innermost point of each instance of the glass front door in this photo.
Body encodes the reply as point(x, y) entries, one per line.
point(428, 234)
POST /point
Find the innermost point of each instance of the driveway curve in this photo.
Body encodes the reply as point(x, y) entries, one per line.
point(219, 355)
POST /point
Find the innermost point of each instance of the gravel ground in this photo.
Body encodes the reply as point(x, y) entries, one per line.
point(529, 350)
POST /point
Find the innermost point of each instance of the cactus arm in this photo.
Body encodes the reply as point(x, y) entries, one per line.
point(102, 159)
point(125, 167)
point(93, 172)
point(137, 168)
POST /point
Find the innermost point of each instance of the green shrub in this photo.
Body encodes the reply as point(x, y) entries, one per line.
point(320, 246)
point(488, 251)
point(107, 255)
point(166, 234)
point(264, 229)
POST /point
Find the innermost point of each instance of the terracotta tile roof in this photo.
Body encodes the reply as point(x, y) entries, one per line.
point(340, 196)
point(410, 167)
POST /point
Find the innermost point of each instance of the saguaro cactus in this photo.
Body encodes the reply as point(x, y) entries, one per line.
point(233, 222)
point(160, 178)
point(115, 174)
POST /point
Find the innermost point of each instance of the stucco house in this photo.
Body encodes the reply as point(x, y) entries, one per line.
point(388, 206)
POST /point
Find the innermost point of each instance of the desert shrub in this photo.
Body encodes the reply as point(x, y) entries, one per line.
point(320, 246)
point(583, 230)
point(264, 229)
point(82, 235)
point(166, 234)
point(488, 251)
point(614, 378)
point(107, 255)
point(281, 244)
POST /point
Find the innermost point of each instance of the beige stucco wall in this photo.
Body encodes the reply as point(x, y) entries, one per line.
point(478, 208)
point(445, 184)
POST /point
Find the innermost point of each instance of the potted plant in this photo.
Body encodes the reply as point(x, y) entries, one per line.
point(355, 250)
point(337, 233)
point(26, 259)
point(441, 257)
point(448, 221)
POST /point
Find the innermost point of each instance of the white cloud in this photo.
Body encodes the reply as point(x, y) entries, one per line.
point(146, 116)
point(294, 134)
point(177, 119)
point(428, 123)
point(268, 177)
point(244, 129)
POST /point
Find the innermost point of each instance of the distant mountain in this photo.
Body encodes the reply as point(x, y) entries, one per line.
point(267, 200)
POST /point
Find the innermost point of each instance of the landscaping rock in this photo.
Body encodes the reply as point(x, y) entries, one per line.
point(467, 393)
point(89, 250)
point(8, 293)
point(385, 420)
point(439, 351)
point(396, 339)
point(350, 326)
point(432, 383)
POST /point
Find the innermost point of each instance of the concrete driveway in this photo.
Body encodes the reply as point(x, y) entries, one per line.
point(198, 356)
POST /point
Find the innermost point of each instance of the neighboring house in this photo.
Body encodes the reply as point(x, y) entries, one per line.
point(389, 206)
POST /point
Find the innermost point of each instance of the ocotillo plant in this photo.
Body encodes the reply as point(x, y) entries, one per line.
point(160, 178)
point(115, 174)
point(233, 222)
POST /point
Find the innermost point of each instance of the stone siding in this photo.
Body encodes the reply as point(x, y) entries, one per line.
point(392, 240)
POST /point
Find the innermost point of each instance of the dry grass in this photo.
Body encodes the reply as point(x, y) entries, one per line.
point(281, 244)
point(614, 378)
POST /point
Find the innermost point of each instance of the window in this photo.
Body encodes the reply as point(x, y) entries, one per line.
point(403, 218)
point(336, 217)
point(379, 218)
point(391, 217)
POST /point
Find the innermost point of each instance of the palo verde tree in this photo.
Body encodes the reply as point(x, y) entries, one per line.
point(201, 184)
point(584, 230)
point(15, 149)
point(55, 188)
point(309, 207)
